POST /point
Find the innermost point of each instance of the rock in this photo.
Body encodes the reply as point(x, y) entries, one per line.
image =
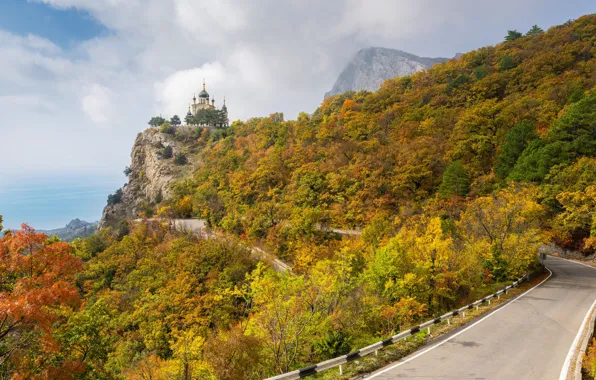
point(150, 177)
point(372, 66)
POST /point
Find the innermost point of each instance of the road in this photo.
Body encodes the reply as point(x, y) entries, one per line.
point(199, 227)
point(528, 338)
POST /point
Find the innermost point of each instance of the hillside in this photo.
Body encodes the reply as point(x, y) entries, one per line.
point(371, 66)
point(364, 159)
point(456, 175)
point(76, 228)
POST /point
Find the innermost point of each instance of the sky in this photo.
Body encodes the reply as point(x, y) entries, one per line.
point(80, 78)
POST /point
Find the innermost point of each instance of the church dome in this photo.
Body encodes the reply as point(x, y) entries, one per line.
point(203, 94)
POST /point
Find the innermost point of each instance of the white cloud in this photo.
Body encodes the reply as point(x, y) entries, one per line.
point(97, 104)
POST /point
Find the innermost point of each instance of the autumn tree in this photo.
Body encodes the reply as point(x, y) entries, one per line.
point(36, 289)
point(503, 229)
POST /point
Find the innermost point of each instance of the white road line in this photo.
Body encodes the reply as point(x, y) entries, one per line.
point(565, 369)
point(458, 333)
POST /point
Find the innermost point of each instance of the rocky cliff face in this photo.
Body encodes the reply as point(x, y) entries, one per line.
point(372, 66)
point(151, 174)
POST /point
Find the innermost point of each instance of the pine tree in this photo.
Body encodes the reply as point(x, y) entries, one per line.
point(512, 35)
point(455, 181)
point(516, 140)
point(175, 120)
point(534, 31)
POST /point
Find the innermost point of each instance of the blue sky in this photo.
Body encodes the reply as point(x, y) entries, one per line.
point(64, 27)
point(80, 78)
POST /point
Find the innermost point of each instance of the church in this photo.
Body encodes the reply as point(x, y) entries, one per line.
point(202, 111)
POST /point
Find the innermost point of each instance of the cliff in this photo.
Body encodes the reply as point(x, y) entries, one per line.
point(157, 160)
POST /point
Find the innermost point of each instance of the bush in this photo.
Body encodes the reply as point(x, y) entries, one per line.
point(115, 198)
point(127, 171)
point(166, 153)
point(167, 128)
point(180, 159)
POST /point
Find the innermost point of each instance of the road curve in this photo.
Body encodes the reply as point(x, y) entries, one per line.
point(526, 339)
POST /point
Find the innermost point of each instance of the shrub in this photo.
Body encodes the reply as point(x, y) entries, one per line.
point(180, 159)
point(127, 171)
point(167, 128)
point(115, 198)
point(166, 153)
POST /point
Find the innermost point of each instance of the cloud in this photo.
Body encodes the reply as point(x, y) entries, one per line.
point(97, 104)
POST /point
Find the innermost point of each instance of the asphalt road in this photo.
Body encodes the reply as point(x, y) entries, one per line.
point(526, 339)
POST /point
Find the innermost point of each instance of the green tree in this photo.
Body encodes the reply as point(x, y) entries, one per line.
point(516, 140)
point(537, 160)
point(512, 35)
point(506, 63)
point(156, 121)
point(578, 126)
point(115, 198)
point(175, 120)
point(455, 181)
point(534, 31)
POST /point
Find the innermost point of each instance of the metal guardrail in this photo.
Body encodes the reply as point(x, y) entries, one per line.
point(323, 366)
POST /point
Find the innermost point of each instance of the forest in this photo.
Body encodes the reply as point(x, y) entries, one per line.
point(455, 177)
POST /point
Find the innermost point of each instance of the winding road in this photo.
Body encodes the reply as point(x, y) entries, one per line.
point(528, 338)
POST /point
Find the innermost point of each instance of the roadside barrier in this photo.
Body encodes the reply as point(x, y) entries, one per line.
point(338, 361)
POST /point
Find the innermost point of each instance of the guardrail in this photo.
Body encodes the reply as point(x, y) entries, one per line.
point(328, 364)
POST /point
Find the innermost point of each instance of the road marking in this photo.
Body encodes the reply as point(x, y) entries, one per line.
point(458, 333)
point(565, 369)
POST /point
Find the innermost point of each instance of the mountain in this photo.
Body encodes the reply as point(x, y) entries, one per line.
point(76, 228)
point(371, 66)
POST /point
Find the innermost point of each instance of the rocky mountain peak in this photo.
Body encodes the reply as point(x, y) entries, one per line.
point(371, 66)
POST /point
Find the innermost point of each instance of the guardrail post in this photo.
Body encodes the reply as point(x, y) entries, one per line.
point(488, 302)
point(428, 329)
point(448, 322)
point(341, 370)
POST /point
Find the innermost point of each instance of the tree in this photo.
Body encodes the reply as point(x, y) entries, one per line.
point(516, 140)
point(534, 31)
point(156, 121)
point(455, 181)
point(503, 230)
point(37, 288)
point(115, 198)
point(506, 63)
point(512, 35)
point(175, 120)
point(578, 126)
point(127, 171)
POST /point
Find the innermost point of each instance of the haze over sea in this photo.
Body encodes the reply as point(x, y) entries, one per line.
point(50, 202)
